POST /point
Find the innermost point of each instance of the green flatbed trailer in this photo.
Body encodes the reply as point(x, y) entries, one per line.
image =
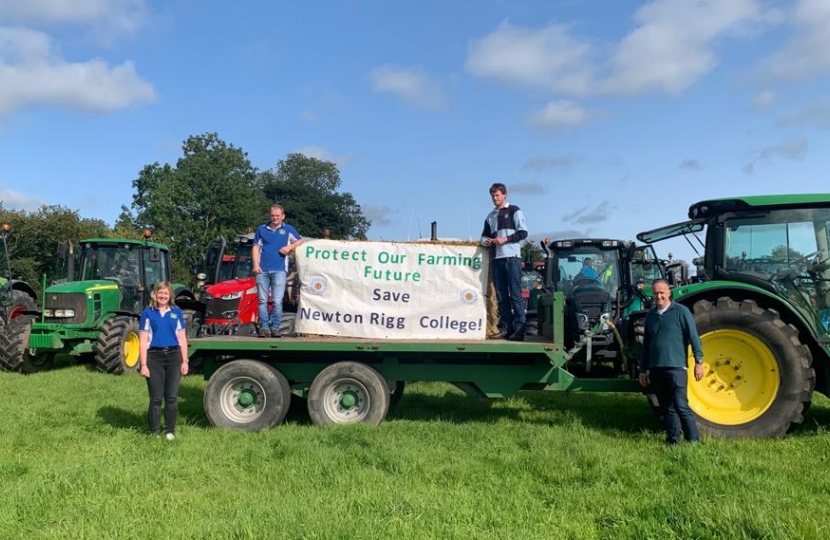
point(345, 380)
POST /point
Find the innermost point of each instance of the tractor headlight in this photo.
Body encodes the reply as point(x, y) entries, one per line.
point(60, 313)
point(232, 296)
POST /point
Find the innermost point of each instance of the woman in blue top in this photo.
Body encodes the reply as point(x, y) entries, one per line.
point(163, 353)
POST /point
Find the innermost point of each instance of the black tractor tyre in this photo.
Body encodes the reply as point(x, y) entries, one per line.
point(116, 350)
point(744, 344)
point(288, 323)
point(348, 393)
point(20, 301)
point(14, 344)
point(532, 327)
point(247, 395)
point(396, 393)
point(192, 323)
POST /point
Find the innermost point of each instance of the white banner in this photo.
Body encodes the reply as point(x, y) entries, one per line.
point(392, 290)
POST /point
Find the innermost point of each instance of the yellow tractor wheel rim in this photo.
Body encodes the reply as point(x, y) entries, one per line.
point(131, 350)
point(740, 381)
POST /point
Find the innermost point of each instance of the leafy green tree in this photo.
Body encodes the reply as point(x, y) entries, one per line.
point(532, 250)
point(213, 189)
point(784, 253)
point(34, 239)
point(307, 188)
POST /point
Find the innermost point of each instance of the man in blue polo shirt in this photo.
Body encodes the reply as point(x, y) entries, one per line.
point(273, 242)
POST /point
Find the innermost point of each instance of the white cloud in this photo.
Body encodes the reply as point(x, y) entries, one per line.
point(816, 114)
point(308, 116)
point(673, 45)
point(557, 115)
point(552, 162)
point(793, 150)
point(116, 16)
point(806, 54)
point(380, 216)
point(16, 200)
point(548, 58)
point(411, 84)
point(322, 154)
point(530, 188)
point(764, 100)
point(670, 47)
point(587, 215)
point(33, 75)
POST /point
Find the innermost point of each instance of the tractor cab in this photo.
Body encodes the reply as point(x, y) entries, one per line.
point(606, 284)
point(135, 266)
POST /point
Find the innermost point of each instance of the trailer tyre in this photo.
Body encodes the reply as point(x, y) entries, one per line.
point(758, 381)
point(348, 393)
point(116, 350)
point(247, 395)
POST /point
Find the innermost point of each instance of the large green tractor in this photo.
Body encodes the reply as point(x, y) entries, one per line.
point(762, 307)
point(606, 284)
point(95, 316)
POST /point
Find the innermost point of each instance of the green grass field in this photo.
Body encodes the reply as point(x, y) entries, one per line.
point(76, 462)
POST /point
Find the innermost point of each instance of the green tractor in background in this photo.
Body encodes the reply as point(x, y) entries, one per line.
point(96, 315)
point(16, 296)
point(606, 284)
point(762, 308)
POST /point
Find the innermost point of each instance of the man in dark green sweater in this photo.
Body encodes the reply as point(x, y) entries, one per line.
point(669, 332)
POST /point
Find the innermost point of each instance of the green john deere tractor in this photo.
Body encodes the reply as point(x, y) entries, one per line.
point(606, 283)
point(96, 315)
point(762, 308)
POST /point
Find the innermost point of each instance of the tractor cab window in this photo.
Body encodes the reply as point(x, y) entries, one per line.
point(155, 270)
point(790, 248)
point(783, 241)
point(645, 267)
point(588, 266)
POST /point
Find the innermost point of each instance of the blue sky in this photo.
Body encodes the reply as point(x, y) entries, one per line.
point(603, 118)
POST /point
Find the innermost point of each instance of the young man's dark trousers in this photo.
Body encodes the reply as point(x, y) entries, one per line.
point(165, 367)
point(670, 385)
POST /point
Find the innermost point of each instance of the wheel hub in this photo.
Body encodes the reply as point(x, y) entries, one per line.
point(246, 398)
point(348, 399)
point(741, 378)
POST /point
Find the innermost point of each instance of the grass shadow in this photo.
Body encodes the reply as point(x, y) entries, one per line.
point(608, 413)
point(122, 418)
point(452, 407)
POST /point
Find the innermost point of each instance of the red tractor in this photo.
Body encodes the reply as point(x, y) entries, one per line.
point(229, 291)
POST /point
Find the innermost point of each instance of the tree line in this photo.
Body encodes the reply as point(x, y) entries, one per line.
point(212, 190)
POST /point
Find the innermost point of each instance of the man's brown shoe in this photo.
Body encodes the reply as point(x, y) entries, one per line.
point(501, 334)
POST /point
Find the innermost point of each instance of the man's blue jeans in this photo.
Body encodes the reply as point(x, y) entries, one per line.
point(507, 279)
point(273, 282)
point(670, 386)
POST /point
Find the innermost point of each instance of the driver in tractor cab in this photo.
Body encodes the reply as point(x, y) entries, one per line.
point(587, 275)
point(123, 269)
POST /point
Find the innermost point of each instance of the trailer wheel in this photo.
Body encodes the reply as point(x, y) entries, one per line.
point(758, 380)
point(14, 344)
point(348, 393)
point(247, 395)
point(116, 350)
